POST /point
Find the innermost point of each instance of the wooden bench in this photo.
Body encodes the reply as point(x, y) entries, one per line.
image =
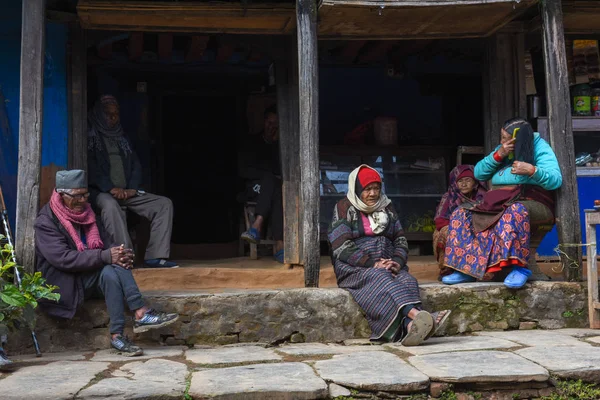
point(592, 219)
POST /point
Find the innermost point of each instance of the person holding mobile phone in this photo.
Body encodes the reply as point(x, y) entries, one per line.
point(493, 236)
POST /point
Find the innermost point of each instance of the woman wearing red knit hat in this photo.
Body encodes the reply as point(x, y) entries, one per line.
point(369, 257)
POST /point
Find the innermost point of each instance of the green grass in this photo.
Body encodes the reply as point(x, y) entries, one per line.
point(575, 390)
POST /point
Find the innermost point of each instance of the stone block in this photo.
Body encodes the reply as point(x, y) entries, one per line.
point(337, 391)
point(455, 343)
point(567, 362)
point(437, 388)
point(379, 371)
point(478, 366)
point(527, 326)
point(536, 338)
point(152, 352)
point(232, 355)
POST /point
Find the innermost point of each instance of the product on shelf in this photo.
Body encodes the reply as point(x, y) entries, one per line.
point(424, 223)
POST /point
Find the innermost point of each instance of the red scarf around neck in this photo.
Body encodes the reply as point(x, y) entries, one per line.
point(87, 220)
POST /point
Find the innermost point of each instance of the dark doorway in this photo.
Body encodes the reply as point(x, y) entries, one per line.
point(200, 166)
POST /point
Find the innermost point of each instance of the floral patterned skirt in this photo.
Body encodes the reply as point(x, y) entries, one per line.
point(504, 244)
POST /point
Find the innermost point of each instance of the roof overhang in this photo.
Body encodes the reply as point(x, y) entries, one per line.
point(412, 19)
point(252, 18)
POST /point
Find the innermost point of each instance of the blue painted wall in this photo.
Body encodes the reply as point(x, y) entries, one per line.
point(55, 125)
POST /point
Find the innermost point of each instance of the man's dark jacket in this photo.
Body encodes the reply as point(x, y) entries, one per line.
point(61, 264)
point(99, 170)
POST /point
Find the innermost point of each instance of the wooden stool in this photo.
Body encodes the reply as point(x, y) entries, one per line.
point(592, 219)
point(249, 217)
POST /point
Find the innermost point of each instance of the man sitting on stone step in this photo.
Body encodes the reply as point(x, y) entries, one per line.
point(73, 254)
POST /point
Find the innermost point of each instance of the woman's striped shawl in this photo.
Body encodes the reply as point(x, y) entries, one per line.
point(347, 225)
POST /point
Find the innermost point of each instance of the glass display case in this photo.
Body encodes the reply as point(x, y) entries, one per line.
point(413, 178)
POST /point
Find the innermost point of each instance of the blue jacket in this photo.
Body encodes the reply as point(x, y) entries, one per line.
point(547, 176)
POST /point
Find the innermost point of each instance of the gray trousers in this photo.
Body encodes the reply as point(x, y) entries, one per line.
point(115, 284)
point(157, 209)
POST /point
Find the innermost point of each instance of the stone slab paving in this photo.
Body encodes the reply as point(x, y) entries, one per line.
point(578, 332)
point(478, 366)
point(50, 357)
point(595, 339)
point(56, 381)
point(566, 362)
point(259, 381)
point(141, 380)
point(149, 352)
point(337, 391)
point(372, 370)
point(536, 338)
point(455, 343)
point(319, 349)
point(232, 355)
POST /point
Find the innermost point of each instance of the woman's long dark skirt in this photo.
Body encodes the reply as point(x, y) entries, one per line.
point(378, 292)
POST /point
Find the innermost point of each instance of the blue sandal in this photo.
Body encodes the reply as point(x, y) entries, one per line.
point(517, 278)
point(279, 256)
point(457, 277)
point(251, 236)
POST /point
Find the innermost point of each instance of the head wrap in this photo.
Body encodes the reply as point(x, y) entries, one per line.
point(99, 127)
point(365, 177)
point(453, 198)
point(378, 217)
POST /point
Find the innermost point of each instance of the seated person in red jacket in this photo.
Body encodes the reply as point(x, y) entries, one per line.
point(72, 255)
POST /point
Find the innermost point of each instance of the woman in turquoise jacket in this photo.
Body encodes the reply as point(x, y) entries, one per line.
point(488, 237)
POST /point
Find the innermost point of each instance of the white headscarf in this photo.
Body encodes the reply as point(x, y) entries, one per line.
point(378, 218)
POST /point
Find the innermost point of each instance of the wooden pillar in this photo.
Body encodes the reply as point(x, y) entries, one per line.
point(286, 76)
point(30, 128)
point(560, 126)
point(308, 78)
point(504, 84)
point(78, 98)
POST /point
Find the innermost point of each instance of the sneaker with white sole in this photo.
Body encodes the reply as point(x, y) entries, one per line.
point(125, 347)
point(5, 363)
point(153, 320)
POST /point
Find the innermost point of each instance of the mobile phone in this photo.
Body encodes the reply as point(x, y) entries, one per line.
point(511, 155)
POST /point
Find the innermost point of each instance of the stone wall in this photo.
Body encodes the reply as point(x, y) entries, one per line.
point(315, 315)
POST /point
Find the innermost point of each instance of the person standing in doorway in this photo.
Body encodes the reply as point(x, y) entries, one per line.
point(260, 166)
point(115, 176)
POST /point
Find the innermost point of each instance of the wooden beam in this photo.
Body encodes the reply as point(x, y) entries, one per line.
point(504, 72)
point(308, 78)
point(165, 46)
point(561, 136)
point(136, 45)
point(30, 128)
point(78, 98)
point(286, 77)
point(196, 49)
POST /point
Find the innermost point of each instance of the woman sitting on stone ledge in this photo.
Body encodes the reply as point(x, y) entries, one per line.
point(463, 189)
point(369, 258)
point(494, 235)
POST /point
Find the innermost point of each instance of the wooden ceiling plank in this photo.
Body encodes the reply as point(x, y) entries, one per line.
point(136, 45)
point(165, 46)
point(196, 48)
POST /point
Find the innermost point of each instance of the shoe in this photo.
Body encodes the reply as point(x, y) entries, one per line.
point(517, 278)
point(456, 278)
point(160, 263)
point(125, 347)
point(439, 319)
point(251, 236)
point(5, 363)
point(420, 327)
point(153, 320)
point(279, 256)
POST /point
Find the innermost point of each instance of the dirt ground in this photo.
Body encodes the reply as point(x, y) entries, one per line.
point(265, 273)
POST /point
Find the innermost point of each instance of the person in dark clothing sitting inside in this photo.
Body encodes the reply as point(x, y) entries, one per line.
point(115, 181)
point(260, 165)
point(74, 254)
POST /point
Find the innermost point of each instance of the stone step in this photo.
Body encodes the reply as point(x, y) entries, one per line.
point(314, 315)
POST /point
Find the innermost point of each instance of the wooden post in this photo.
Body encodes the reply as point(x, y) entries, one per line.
point(78, 98)
point(308, 74)
point(286, 76)
point(504, 84)
point(30, 128)
point(561, 135)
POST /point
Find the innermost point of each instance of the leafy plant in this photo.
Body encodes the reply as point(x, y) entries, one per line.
point(574, 390)
point(17, 303)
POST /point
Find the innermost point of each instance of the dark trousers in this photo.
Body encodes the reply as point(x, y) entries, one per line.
point(115, 284)
point(269, 203)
